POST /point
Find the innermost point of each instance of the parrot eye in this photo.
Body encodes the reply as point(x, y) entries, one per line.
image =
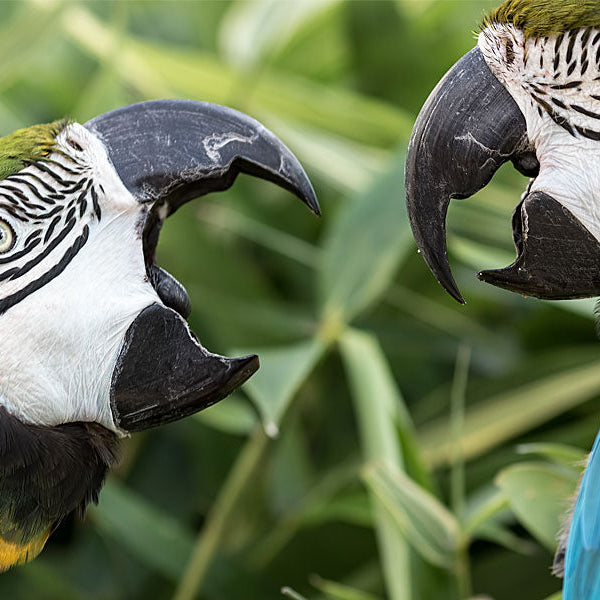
point(75, 145)
point(7, 237)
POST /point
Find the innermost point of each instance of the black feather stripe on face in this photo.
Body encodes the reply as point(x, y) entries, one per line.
point(47, 473)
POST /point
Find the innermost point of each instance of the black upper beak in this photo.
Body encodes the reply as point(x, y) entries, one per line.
point(167, 152)
point(176, 150)
point(469, 126)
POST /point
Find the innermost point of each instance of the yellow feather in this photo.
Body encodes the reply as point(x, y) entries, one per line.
point(12, 554)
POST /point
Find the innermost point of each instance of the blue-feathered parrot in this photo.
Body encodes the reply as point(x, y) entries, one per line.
point(529, 92)
point(94, 342)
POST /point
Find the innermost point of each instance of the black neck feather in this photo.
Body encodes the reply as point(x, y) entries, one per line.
point(48, 472)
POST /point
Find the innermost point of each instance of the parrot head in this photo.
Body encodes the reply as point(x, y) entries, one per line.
point(94, 338)
point(528, 93)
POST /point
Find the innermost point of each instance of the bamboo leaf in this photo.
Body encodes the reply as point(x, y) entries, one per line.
point(365, 246)
point(427, 524)
point(161, 71)
point(251, 30)
point(24, 35)
point(339, 591)
point(539, 495)
point(378, 406)
point(283, 370)
point(494, 532)
point(508, 414)
point(561, 454)
point(143, 529)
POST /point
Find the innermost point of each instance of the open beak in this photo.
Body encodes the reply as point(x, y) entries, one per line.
point(469, 126)
point(166, 153)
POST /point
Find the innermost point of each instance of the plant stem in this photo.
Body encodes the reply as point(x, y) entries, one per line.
point(457, 423)
point(208, 540)
point(463, 572)
point(457, 476)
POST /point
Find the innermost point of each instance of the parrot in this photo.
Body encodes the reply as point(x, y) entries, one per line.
point(95, 343)
point(529, 93)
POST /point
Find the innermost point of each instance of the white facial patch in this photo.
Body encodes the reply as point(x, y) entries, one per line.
point(60, 342)
point(555, 81)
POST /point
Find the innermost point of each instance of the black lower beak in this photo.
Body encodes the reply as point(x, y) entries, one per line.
point(558, 258)
point(163, 374)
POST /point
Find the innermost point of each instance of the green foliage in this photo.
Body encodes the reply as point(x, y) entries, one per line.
point(397, 420)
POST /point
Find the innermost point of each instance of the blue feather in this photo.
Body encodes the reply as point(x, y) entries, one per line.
point(582, 560)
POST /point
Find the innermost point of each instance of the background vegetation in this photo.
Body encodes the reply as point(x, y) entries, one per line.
point(394, 444)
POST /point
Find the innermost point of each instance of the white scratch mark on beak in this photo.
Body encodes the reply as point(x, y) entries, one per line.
point(213, 143)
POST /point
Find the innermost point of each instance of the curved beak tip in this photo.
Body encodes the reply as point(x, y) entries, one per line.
point(452, 289)
point(444, 276)
point(309, 198)
point(244, 367)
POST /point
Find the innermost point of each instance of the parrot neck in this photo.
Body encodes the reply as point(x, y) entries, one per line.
point(45, 474)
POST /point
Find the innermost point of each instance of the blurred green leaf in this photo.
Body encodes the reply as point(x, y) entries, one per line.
point(483, 512)
point(539, 494)
point(348, 508)
point(164, 71)
point(290, 593)
point(269, 237)
point(320, 505)
point(427, 524)
point(131, 522)
point(23, 36)
point(388, 431)
point(232, 415)
point(339, 591)
point(378, 407)
point(344, 164)
point(561, 454)
point(252, 29)
point(508, 414)
point(283, 370)
point(365, 246)
point(503, 536)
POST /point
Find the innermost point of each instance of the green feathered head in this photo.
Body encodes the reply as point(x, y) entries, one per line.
point(544, 18)
point(28, 145)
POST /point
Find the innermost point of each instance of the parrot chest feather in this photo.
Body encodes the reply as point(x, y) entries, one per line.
point(45, 474)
